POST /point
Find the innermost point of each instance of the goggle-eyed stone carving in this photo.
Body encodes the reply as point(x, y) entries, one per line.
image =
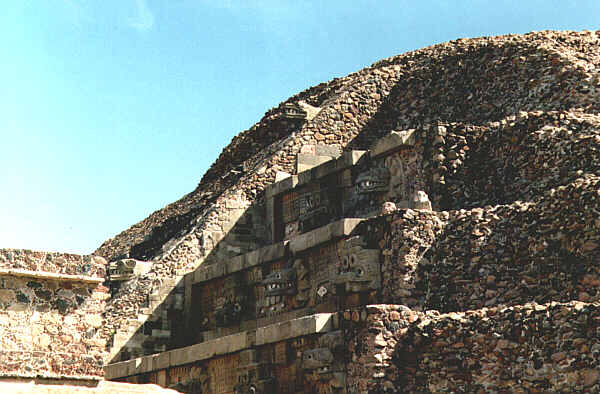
point(359, 269)
point(293, 111)
point(281, 282)
point(374, 180)
point(229, 313)
point(320, 365)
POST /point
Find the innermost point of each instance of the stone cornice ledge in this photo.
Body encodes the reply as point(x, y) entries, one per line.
point(49, 375)
point(345, 160)
point(296, 244)
point(50, 275)
point(329, 232)
point(307, 325)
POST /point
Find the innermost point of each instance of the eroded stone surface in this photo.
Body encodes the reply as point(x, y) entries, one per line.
point(50, 320)
point(489, 200)
point(551, 347)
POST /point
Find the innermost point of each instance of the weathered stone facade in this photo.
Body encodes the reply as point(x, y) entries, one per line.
point(51, 307)
point(532, 347)
point(430, 223)
point(416, 262)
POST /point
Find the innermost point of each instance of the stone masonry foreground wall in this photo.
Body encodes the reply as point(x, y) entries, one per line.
point(51, 308)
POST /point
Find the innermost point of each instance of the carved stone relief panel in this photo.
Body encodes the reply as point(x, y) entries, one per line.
point(313, 210)
point(289, 214)
point(321, 260)
point(286, 287)
point(406, 176)
point(254, 375)
point(288, 364)
point(210, 294)
point(318, 277)
point(230, 304)
point(323, 366)
point(357, 268)
point(189, 378)
point(310, 206)
point(226, 301)
point(223, 373)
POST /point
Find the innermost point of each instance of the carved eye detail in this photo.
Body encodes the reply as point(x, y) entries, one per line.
point(252, 390)
point(278, 275)
point(360, 272)
point(309, 356)
point(352, 259)
point(237, 307)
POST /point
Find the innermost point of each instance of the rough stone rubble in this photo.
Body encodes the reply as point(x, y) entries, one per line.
point(51, 312)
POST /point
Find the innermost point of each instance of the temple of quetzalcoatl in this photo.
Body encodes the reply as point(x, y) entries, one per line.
point(427, 224)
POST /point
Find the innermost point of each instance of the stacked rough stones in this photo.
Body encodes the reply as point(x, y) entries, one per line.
point(494, 289)
point(51, 307)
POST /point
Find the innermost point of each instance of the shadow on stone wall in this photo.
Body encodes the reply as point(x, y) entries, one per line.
point(466, 109)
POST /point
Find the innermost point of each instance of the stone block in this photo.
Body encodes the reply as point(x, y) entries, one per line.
point(272, 252)
point(327, 150)
point(281, 186)
point(162, 360)
point(313, 324)
point(393, 140)
point(161, 333)
point(323, 234)
point(7, 296)
point(305, 162)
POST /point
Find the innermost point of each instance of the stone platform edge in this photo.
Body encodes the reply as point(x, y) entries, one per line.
point(307, 325)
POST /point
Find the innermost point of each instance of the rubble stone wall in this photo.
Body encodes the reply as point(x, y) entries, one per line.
point(550, 347)
point(53, 262)
point(515, 158)
point(149, 320)
point(544, 250)
point(50, 321)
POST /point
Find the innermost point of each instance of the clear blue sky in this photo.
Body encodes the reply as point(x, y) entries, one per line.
point(111, 109)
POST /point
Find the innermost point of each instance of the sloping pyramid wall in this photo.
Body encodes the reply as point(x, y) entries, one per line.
point(248, 286)
point(406, 299)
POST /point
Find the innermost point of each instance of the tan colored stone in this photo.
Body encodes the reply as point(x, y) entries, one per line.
point(7, 295)
point(44, 340)
point(99, 295)
point(590, 377)
point(94, 320)
point(18, 307)
point(103, 387)
point(556, 357)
